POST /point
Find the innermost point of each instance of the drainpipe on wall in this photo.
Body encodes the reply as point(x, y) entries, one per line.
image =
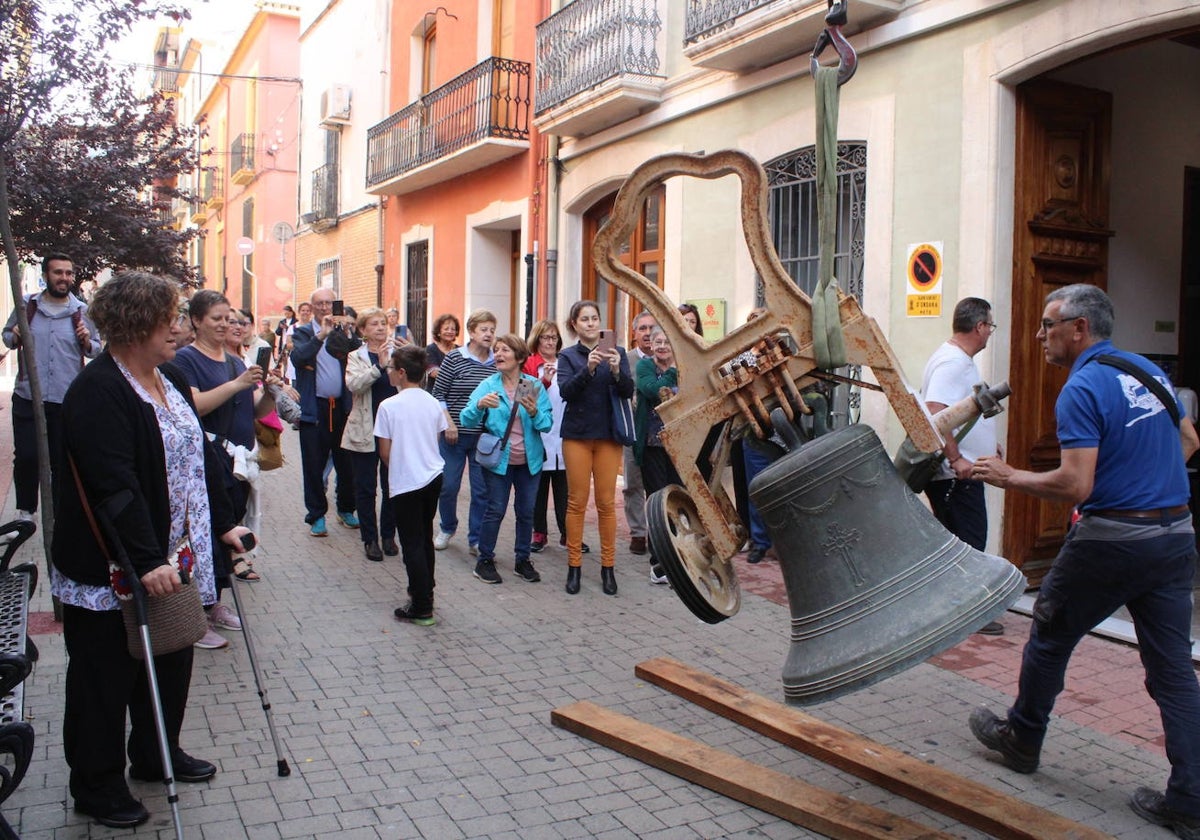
point(552, 199)
point(385, 101)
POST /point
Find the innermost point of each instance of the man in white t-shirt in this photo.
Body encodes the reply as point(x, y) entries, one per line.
point(957, 499)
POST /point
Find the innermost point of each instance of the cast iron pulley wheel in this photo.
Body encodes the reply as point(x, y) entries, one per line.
point(707, 584)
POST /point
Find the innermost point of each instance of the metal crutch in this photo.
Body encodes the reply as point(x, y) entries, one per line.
point(248, 543)
point(139, 604)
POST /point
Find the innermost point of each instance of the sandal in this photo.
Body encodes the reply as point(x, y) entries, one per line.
point(242, 570)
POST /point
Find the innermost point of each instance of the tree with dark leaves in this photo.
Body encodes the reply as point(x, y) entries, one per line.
point(54, 68)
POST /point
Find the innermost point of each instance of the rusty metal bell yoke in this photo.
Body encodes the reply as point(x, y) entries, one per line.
point(875, 583)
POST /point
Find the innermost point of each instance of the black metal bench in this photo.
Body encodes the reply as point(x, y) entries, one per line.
point(17, 655)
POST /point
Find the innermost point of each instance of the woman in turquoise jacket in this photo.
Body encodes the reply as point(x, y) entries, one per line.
point(491, 405)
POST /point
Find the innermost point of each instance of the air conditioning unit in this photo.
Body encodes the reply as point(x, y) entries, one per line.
point(335, 105)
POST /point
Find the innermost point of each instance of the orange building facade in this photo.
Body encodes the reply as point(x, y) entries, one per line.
point(455, 163)
point(249, 111)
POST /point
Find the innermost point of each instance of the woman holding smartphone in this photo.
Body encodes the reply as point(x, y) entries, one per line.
point(492, 405)
point(590, 375)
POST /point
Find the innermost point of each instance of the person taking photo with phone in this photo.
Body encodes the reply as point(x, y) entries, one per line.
point(590, 375)
point(496, 404)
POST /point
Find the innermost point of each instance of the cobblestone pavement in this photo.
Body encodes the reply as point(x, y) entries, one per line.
point(397, 731)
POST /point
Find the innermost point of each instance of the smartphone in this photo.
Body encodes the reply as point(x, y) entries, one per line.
point(608, 340)
point(339, 308)
point(402, 332)
point(525, 388)
point(264, 358)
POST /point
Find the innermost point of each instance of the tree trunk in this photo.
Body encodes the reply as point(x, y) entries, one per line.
point(35, 386)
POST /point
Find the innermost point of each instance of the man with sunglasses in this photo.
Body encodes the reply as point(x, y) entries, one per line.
point(955, 498)
point(1122, 465)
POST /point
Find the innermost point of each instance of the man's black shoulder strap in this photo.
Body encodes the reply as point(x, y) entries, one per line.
point(1156, 387)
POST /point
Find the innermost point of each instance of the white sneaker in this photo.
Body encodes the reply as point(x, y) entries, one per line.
point(27, 515)
point(223, 618)
point(473, 549)
point(657, 579)
point(212, 641)
point(442, 541)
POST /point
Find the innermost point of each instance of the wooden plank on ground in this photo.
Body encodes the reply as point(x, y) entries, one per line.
point(965, 800)
point(812, 807)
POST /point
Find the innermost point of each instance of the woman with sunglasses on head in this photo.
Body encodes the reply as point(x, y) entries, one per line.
point(657, 381)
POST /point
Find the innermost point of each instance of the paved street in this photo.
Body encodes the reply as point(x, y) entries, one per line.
point(396, 731)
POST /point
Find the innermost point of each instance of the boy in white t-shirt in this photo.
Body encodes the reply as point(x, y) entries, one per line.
point(413, 419)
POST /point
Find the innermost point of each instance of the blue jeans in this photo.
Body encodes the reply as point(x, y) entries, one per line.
point(1090, 579)
point(457, 456)
point(756, 462)
point(367, 470)
point(525, 485)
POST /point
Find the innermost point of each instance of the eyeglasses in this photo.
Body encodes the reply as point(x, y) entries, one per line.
point(991, 325)
point(547, 337)
point(1047, 323)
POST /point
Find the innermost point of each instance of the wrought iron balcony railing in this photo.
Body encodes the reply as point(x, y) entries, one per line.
point(589, 42)
point(325, 192)
point(708, 17)
point(241, 153)
point(212, 186)
point(491, 100)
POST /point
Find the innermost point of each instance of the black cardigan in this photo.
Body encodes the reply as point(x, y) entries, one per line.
point(114, 438)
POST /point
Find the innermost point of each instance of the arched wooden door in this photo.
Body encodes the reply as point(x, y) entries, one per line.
point(1061, 237)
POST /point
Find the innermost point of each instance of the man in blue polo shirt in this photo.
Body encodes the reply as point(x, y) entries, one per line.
point(1123, 466)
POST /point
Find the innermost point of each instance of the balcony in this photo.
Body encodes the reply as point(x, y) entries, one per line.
point(742, 35)
point(199, 213)
point(597, 65)
point(241, 159)
point(325, 197)
point(212, 189)
point(477, 119)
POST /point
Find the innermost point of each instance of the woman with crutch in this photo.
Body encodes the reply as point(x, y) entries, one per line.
point(141, 466)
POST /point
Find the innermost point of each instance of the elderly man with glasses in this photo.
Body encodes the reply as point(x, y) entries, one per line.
point(1125, 440)
point(956, 498)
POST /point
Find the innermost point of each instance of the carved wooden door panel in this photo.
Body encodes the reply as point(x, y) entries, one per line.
point(1061, 237)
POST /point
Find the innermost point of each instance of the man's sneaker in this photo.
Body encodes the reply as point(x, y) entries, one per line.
point(539, 542)
point(407, 613)
point(756, 554)
point(485, 570)
point(318, 528)
point(995, 734)
point(220, 617)
point(347, 518)
point(442, 541)
point(473, 549)
point(1151, 806)
point(658, 575)
point(212, 641)
point(526, 571)
point(637, 545)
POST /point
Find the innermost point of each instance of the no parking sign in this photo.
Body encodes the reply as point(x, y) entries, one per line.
point(924, 268)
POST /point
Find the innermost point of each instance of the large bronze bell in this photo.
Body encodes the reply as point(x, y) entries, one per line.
point(875, 583)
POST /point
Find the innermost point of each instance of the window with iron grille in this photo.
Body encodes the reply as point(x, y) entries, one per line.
point(329, 275)
point(792, 207)
point(792, 180)
point(416, 303)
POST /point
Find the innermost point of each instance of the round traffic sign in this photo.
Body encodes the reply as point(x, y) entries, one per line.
point(245, 246)
point(925, 268)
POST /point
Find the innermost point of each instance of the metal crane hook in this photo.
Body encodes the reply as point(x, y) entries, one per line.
point(835, 19)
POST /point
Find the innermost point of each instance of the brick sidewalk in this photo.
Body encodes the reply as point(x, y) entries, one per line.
point(395, 731)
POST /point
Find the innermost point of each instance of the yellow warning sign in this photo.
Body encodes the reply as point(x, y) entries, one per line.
point(924, 306)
